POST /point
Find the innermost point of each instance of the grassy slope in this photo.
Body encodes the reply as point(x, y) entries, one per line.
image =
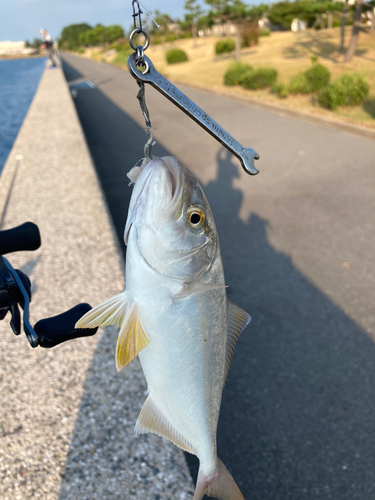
point(289, 53)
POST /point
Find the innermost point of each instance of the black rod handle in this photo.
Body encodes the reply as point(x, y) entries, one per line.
point(23, 237)
point(58, 329)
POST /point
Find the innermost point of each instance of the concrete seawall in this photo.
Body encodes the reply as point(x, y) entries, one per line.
point(66, 416)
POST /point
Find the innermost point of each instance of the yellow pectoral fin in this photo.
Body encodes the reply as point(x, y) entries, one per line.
point(110, 312)
point(131, 340)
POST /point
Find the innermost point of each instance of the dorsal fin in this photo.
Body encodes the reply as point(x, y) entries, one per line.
point(237, 320)
point(151, 419)
point(110, 312)
point(131, 339)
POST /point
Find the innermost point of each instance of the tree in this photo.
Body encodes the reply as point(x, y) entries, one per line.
point(283, 13)
point(114, 32)
point(258, 11)
point(36, 43)
point(101, 35)
point(355, 32)
point(162, 20)
point(217, 6)
point(237, 12)
point(343, 23)
point(69, 38)
point(207, 20)
point(194, 11)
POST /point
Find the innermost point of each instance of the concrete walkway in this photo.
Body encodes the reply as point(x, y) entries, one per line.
point(297, 418)
point(66, 416)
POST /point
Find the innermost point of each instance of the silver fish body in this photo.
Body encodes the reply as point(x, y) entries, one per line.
point(175, 315)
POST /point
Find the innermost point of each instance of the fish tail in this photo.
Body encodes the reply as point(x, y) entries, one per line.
point(220, 485)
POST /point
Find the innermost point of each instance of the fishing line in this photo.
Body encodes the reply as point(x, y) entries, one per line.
point(149, 13)
point(139, 60)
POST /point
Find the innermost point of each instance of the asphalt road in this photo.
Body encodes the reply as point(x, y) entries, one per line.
point(298, 244)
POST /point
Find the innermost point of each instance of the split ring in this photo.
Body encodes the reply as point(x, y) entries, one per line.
point(144, 33)
point(147, 67)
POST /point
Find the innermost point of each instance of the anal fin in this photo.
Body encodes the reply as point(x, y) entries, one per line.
point(132, 338)
point(151, 419)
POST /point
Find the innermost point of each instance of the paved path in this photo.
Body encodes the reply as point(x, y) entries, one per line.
point(298, 244)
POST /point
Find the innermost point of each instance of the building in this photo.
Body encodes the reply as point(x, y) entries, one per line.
point(14, 48)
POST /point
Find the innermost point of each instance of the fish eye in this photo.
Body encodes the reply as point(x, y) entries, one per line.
point(195, 217)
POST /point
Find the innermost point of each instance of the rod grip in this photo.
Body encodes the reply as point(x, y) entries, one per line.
point(23, 237)
point(58, 329)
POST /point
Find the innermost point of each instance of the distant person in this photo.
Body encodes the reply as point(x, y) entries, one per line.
point(52, 56)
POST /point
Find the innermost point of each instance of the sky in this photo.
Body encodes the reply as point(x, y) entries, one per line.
point(22, 19)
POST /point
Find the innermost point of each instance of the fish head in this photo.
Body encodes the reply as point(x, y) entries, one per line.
point(175, 230)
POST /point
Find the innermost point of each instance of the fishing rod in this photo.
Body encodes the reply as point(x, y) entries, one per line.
point(15, 291)
point(138, 61)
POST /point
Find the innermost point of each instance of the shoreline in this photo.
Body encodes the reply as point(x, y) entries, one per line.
point(10, 57)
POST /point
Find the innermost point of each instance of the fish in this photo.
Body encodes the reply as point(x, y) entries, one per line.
point(175, 315)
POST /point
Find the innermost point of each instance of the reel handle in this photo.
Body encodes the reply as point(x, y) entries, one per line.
point(15, 291)
point(23, 237)
point(53, 331)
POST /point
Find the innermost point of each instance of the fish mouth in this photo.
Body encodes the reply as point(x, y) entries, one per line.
point(176, 174)
point(171, 171)
point(135, 200)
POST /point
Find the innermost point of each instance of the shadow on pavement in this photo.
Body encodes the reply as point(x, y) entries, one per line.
point(71, 73)
point(300, 389)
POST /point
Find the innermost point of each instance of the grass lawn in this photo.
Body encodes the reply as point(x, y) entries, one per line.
point(287, 52)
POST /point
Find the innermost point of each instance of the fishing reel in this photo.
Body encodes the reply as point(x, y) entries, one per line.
point(15, 291)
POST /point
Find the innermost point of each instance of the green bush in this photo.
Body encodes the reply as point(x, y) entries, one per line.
point(80, 50)
point(317, 77)
point(298, 84)
point(348, 90)
point(310, 80)
point(235, 71)
point(280, 89)
point(226, 45)
point(264, 32)
point(174, 56)
point(258, 78)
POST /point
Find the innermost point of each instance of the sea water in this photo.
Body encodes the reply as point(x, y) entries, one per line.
point(19, 80)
